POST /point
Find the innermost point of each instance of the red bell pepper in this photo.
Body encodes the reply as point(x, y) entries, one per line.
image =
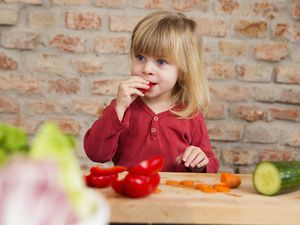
point(141, 180)
point(103, 177)
point(100, 181)
point(148, 167)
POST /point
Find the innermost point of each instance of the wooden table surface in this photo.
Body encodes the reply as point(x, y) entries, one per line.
point(182, 205)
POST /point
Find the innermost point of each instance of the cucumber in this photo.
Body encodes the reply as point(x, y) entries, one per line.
point(272, 178)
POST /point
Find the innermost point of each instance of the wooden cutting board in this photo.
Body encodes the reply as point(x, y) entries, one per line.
point(190, 206)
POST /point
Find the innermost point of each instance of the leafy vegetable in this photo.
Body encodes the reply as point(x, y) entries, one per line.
point(50, 143)
point(13, 140)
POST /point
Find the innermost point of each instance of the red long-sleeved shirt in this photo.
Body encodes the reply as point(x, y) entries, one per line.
point(143, 134)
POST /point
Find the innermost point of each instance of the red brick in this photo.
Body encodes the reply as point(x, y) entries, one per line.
point(224, 131)
point(123, 23)
point(47, 63)
point(89, 65)
point(186, 5)
point(228, 6)
point(261, 134)
point(71, 2)
point(20, 40)
point(34, 2)
point(111, 3)
point(276, 155)
point(105, 87)
point(290, 95)
point(220, 70)
point(281, 30)
point(44, 107)
point(212, 27)
point(64, 86)
point(290, 114)
point(249, 112)
point(8, 16)
point(251, 29)
point(288, 73)
point(82, 21)
point(28, 124)
point(156, 4)
point(255, 72)
point(68, 43)
point(47, 18)
point(232, 48)
point(69, 126)
point(91, 107)
point(293, 138)
point(216, 110)
point(271, 51)
point(265, 93)
point(237, 156)
point(295, 32)
point(296, 11)
point(7, 63)
point(111, 44)
point(22, 84)
point(231, 93)
point(8, 105)
point(265, 8)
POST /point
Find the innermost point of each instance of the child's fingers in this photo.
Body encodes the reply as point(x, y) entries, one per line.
point(204, 162)
point(189, 155)
point(200, 156)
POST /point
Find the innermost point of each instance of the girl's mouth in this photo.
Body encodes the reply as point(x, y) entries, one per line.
point(150, 86)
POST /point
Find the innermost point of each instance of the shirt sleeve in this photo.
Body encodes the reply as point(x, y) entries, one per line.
point(201, 139)
point(101, 140)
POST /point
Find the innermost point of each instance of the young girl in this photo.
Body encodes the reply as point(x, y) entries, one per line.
point(158, 110)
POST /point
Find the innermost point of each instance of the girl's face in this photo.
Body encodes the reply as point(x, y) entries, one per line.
point(162, 73)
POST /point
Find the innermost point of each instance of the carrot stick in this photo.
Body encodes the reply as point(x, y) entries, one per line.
point(230, 179)
point(209, 190)
point(201, 186)
point(187, 183)
point(221, 188)
point(173, 182)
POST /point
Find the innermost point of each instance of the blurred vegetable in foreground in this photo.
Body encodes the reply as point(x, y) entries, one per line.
point(45, 185)
point(13, 140)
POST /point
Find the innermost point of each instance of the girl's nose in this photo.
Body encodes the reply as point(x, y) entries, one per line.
point(148, 68)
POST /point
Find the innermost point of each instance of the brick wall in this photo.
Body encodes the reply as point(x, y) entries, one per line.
point(62, 60)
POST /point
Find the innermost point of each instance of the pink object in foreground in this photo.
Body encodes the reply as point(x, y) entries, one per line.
point(30, 191)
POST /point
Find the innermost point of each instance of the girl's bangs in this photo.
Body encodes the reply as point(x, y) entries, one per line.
point(156, 44)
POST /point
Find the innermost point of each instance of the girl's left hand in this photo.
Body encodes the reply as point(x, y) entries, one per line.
point(194, 157)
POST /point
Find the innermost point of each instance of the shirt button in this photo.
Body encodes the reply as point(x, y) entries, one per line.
point(155, 118)
point(153, 130)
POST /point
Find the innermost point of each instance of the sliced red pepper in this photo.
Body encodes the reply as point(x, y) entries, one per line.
point(148, 167)
point(103, 177)
point(100, 181)
point(99, 171)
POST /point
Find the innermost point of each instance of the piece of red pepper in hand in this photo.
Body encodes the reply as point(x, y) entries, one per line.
point(145, 90)
point(103, 177)
point(141, 180)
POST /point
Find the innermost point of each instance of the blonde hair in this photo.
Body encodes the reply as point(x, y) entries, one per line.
point(173, 36)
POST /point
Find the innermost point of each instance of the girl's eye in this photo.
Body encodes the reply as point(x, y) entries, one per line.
point(139, 57)
point(161, 61)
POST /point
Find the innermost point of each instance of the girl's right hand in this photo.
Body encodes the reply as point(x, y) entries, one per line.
point(128, 92)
